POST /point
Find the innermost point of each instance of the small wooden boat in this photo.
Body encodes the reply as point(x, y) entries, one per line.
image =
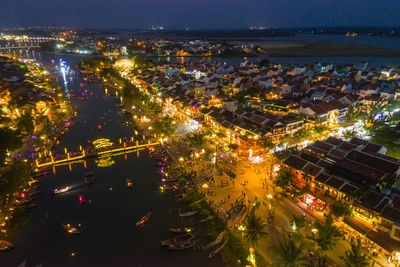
point(143, 219)
point(70, 229)
point(178, 239)
point(189, 213)
point(89, 178)
point(30, 205)
point(182, 245)
point(168, 179)
point(89, 174)
point(62, 190)
point(5, 245)
point(181, 230)
point(129, 182)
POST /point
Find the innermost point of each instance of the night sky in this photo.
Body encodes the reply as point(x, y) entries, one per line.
point(199, 14)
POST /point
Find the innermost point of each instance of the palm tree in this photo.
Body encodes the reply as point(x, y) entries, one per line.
point(290, 254)
point(356, 256)
point(254, 228)
point(326, 235)
point(372, 110)
point(321, 262)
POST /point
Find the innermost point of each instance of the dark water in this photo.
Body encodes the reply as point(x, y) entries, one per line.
point(108, 235)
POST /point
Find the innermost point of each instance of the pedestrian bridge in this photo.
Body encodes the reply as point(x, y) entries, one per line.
point(99, 147)
point(19, 47)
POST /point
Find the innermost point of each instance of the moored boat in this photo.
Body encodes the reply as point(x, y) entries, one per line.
point(143, 219)
point(181, 230)
point(5, 245)
point(178, 239)
point(182, 245)
point(70, 229)
point(189, 213)
point(61, 190)
point(129, 182)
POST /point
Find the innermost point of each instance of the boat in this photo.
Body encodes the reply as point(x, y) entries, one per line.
point(182, 245)
point(30, 205)
point(178, 239)
point(189, 213)
point(70, 229)
point(89, 174)
point(5, 245)
point(143, 219)
point(89, 178)
point(181, 230)
point(62, 190)
point(129, 182)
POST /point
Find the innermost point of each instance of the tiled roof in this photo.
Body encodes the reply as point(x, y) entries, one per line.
point(322, 146)
point(309, 157)
point(295, 162)
point(312, 169)
point(322, 177)
point(372, 200)
point(373, 162)
point(335, 182)
point(391, 213)
point(333, 141)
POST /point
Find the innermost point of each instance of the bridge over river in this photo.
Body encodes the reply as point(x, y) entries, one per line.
point(98, 147)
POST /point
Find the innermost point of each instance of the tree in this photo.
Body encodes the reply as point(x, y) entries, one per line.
point(357, 256)
point(254, 228)
point(321, 262)
point(389, 181)
point(326, 235)
point(284, 178)
point(141, 62)
point(9, 141)
point(353, 114)
point(196, 139)
point(349, 134)
point(299, 222)
point(371, 111)
point(267, 143)
point(290, 254)
point(303, 134)
point(164, 126)
point(286, 152)
point(264, 63)
point(340, 209)
point(25, 123)
point(388, 137)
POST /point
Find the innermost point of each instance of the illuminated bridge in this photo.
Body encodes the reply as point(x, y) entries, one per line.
point(99, 147)
point(19, 47)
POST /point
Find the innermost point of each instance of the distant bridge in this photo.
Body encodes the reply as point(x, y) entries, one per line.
point(19, 47)
point(101, 147)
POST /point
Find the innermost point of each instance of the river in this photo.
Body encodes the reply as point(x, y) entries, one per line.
point(108, 234)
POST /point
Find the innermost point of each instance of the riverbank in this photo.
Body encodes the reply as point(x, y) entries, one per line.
point(17, 194)
point(108, 235)
point(327, 49)
point(231, 249)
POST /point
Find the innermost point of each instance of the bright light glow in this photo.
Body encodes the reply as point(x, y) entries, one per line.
point(256, 159)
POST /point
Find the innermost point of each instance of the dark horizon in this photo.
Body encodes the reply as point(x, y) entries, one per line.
point(205, 14)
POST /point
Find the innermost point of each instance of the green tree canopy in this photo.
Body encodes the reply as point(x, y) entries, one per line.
point(326, 235)
point(357, 256)
point(196, 140)
point(9, 141)
point(254, 228)
point(164, 126)
point(290, 254)
point(284, 178)
point(340, 209)
point(25, 123)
